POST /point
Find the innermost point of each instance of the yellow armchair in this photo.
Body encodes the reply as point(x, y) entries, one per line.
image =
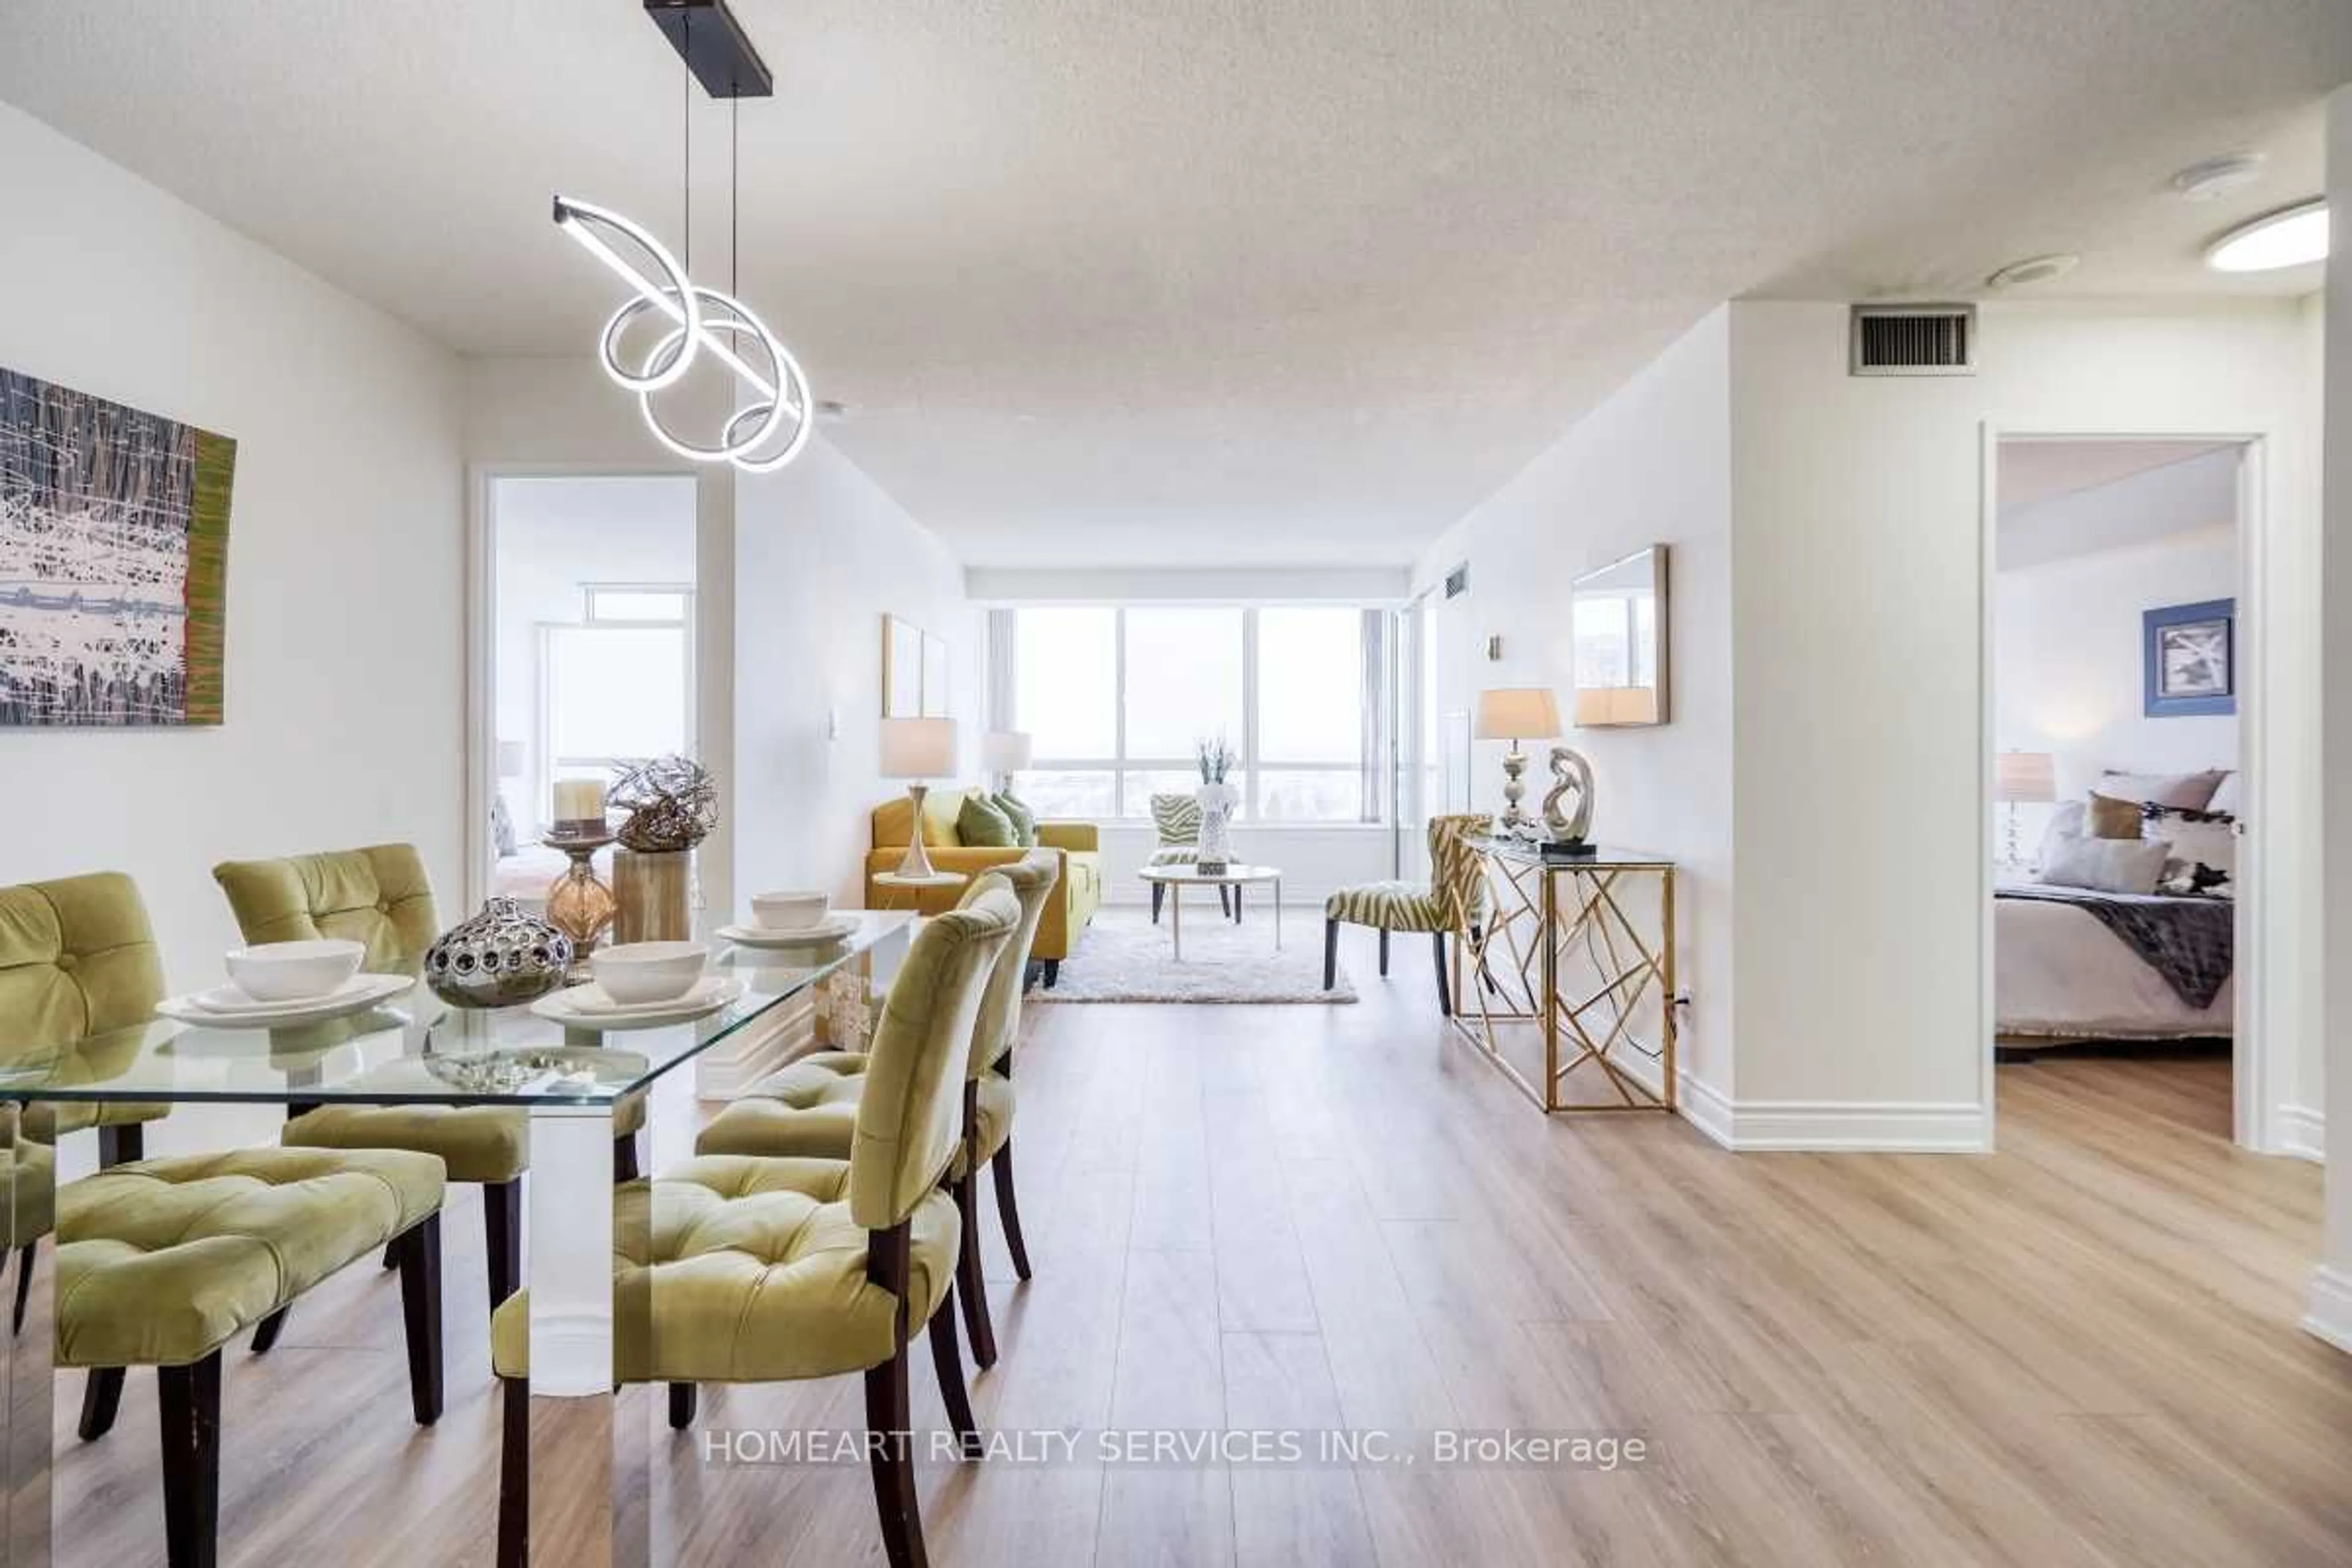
point(1076, 895)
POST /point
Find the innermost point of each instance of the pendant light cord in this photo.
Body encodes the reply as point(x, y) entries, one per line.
point(686, 142)
point(734, 194)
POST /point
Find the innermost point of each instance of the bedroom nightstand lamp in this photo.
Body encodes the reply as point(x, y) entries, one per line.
point(915, 749)
point(1516, 713)
point(2023, 778)
point(1006, 752)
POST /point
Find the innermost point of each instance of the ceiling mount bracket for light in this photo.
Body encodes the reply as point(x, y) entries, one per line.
point(714, 46)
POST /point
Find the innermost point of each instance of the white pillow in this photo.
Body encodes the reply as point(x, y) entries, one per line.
point(2230, 798)
point(2192, 790)
point(2067, 825)
point(2109, 865)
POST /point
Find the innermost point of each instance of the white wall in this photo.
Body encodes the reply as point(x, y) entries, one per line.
point(2067, 660)
point(821, 554)
point(1651, 465)
point(2331, 1291)
point(343, 682)
point(1857, 610)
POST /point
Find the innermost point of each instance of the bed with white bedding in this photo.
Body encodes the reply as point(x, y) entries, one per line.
point(2060, 974)
point(2089, 957)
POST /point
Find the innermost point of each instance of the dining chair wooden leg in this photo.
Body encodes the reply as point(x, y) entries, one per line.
point(1444, 998)
point(502, 1237)
point(683, 1399)
point(1008, 1212)
point(420, 1311)
point(267, 1331)
point(514, 1473)
point(947, 1359)
point(189, 1399)
point(1385, 952)
point(970, 1275)
point(625, 1157)
point(121, 1145)
point(27, 1257)
point(1330, 953)
point(101, 1397)
point(891, 1444)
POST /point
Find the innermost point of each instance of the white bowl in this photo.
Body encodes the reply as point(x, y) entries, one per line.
point(787, 911)
point(293, 971)
point(648, 970)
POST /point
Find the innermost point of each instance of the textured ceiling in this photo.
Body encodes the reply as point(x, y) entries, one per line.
point(1119, 283)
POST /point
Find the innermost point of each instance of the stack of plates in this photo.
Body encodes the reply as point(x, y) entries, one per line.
point(227, 1007)
point(832, 927)
point(588, 1007)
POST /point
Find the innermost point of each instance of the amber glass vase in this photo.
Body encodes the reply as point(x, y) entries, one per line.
point(579, 904)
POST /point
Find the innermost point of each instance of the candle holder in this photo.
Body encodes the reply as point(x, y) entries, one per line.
point(578, 903)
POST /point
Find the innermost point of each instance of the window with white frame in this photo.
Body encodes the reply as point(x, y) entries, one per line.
point(1118, 698)
point(618, 685)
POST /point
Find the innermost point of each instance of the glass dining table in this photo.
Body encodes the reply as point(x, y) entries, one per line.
point(415, 1050)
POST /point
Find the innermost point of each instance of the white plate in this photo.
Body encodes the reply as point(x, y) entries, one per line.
point(587, 1008)
point(355, 995)
point(832, 927)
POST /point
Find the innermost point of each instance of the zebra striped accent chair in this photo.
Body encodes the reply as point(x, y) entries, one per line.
point(1452, 902)
point(1176, 820)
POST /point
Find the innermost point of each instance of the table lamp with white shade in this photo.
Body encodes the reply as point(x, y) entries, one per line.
point(2023, 778)
point(1006, 752)
point(915, 749)
point(1516, 713)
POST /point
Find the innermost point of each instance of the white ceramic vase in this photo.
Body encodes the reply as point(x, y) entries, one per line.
point(1216, 802)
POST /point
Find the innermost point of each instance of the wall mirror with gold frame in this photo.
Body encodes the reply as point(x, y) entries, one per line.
point(1619, 614)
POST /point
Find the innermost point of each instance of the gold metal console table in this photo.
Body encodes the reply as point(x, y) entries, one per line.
point(1559, 956)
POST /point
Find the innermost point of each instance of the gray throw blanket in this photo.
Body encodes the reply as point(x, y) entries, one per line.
point(2192, 943)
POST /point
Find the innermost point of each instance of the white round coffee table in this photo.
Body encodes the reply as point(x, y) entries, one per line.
point(1234, 875)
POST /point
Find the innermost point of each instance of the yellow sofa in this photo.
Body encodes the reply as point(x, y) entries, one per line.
point(1071, 904)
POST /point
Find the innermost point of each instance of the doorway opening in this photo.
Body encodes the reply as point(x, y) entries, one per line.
point(2121, 701)
point(587, 655)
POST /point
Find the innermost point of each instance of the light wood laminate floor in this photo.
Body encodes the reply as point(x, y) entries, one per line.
point(2081, 1350)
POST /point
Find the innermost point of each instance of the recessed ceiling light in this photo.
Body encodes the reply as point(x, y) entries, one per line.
point(2217, 177)
point(2292, 237)
point(2035, 269)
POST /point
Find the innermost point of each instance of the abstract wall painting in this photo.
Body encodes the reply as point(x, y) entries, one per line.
point(2189, 659)
point(113, 562)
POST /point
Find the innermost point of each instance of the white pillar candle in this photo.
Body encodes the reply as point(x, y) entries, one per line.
point(580, 800)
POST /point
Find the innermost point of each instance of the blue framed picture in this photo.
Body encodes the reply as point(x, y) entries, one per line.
point(2189, 655)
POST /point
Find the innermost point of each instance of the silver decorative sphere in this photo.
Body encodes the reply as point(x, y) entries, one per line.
point(499, 958)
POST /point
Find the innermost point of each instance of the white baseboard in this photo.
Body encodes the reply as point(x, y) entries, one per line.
point(2300, 1130)
point(1705, 1109)
point(1834, 1126)
point(2329, 1309)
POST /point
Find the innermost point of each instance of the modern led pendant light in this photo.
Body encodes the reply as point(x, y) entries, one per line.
point(773, 412)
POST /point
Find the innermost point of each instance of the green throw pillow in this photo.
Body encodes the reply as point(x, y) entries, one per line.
point(1024, 820)
point(982, 825)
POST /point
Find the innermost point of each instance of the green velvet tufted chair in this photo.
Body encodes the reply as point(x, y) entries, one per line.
point(736, 1269)
point(810, 1107)
point(381, 897)
point(162, 1262)
point(78, 963)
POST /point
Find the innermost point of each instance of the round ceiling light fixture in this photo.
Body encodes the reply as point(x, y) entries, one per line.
point(2214, 178)
point(2035, 269)
point(2292, 237)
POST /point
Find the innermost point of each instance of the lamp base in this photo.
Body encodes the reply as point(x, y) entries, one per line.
point(917, 862)
point(1516, 823)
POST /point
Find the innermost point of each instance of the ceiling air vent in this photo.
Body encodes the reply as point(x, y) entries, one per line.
point(1914, 340)
point(1457, 582)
